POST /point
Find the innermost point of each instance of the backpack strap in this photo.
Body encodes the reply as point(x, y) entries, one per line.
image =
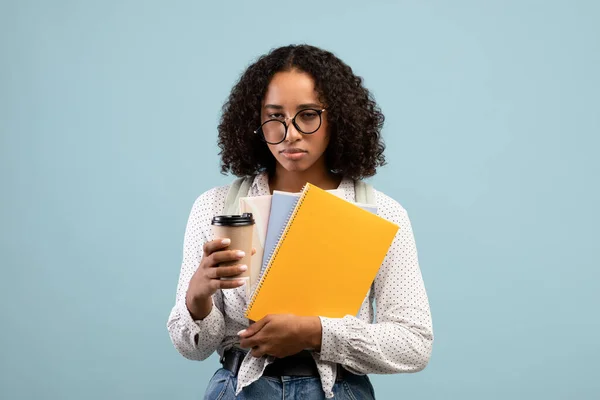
point(364, 193)
point(239, 188)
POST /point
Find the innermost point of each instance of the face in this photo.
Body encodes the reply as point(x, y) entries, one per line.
point(289, 93)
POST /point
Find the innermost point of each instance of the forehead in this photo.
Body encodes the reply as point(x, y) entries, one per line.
point(291, 88)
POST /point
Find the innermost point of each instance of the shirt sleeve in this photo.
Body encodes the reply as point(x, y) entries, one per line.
point(196, 339)
point(401, 338)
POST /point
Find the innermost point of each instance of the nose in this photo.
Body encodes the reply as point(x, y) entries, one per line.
point(292, 133)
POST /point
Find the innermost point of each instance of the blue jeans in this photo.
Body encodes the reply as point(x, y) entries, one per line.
point(223, 383)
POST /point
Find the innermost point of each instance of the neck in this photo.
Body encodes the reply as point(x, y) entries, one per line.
point(294, 181)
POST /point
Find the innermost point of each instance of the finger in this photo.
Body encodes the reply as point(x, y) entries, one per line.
point(258, 352)
point(254, 328)
point(226, 272)
point(225, 256)
point(253, 251)
point(226, 283)
point(215, 245)
point(249, 343)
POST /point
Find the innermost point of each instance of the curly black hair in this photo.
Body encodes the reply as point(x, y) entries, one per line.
point(354, 120)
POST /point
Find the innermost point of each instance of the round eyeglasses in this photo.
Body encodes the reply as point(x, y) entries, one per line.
point(307, 121)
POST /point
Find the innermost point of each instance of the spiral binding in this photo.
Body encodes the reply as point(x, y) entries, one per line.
point(273, 253)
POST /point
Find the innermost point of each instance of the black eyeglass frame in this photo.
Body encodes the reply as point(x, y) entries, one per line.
point(262, 134)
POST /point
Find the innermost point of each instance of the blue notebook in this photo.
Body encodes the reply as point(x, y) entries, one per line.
point(282, 205)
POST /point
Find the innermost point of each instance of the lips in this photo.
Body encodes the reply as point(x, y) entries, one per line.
point(294, 154)
point(293, 151)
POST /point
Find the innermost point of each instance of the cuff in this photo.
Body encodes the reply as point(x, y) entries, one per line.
point(211, 326)
point(334, 340)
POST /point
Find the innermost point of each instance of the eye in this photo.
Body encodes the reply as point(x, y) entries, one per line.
point(279, 116)
point(309, 115)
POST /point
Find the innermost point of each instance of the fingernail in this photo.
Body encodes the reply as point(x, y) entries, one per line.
point(243, 268)
point(226, 242)
point(241, 332)
point(240, 254)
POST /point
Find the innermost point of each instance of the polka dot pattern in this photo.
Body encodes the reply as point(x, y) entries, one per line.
point(393, 336)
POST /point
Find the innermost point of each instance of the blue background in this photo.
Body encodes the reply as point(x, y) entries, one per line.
point(108, 114)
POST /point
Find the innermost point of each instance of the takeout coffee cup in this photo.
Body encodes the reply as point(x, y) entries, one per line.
point(239, 229)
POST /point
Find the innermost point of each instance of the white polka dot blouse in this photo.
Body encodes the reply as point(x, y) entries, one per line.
point(391, 333)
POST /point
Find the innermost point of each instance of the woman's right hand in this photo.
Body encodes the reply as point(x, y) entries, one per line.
point(206, 280)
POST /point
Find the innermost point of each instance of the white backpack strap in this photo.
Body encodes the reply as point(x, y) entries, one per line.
point(364, 193)
point(239, 188)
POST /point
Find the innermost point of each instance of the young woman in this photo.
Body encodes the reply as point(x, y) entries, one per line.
point(299, 114)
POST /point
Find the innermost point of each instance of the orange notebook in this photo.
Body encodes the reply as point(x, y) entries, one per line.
point(326, 259)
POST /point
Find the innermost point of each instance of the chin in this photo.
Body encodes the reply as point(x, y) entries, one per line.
point(295, 166)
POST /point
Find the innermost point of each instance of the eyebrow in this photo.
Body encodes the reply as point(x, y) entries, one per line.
point(310, 105)
point(300, 106)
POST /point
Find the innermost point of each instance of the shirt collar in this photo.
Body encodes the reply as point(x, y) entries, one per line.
point(260, 186)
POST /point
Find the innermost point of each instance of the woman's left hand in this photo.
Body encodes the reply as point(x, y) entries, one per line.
point(282, 335)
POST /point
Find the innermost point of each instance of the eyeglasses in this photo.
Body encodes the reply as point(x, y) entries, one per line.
point(307, 121)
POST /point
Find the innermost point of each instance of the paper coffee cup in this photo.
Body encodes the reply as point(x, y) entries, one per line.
point(240, 230)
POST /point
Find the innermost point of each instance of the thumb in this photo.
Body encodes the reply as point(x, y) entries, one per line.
point(253, 329)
